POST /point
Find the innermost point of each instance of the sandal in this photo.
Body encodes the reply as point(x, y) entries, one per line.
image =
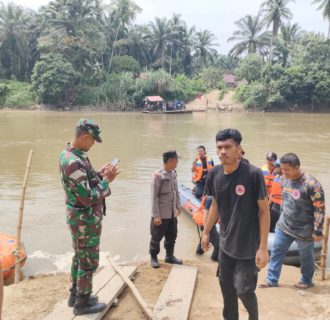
point(267, 284)
point(303, 285)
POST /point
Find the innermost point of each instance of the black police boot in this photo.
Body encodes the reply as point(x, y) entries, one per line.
point(83, 305)
point(199, 250)
point(154, 262)
point(172, 259)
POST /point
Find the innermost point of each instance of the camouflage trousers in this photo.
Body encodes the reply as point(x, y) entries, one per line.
point(85, 242)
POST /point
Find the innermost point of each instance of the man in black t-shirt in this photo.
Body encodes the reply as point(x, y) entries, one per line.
point(240, 201)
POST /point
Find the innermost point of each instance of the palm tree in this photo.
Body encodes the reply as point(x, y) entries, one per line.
point(275, 11)
point(135, 44)
point(187, 38)
point(160, 36)
point(14, 49)
point(74, 29)
point(250, 36)
point(125, 12)
point(227, 63)
point(288, 37)
point(204, 46)
point(325, 6)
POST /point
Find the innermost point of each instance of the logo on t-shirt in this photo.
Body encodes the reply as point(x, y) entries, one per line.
point(240, 190)
point(295, 194)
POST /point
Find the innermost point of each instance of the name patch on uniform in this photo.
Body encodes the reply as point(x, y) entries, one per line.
point(295, 194)
point(240, 190)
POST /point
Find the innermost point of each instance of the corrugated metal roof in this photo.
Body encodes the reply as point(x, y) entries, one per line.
point(154, 98)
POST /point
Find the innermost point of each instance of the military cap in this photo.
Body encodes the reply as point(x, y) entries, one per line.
point(91, 127)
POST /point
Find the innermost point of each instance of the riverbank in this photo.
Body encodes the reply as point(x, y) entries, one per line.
point(34, 298)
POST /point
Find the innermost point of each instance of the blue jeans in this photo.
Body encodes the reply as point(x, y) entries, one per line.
point(280, 248)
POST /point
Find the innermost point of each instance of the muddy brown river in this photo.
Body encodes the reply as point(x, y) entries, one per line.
point(138, 140)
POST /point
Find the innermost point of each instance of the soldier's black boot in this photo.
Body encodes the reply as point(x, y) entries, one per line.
point(172, 259)
point(154, 262)
point(73, 296)
point(83, 305)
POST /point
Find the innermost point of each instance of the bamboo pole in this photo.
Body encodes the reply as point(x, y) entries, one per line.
point(135, 292)
point(20, 219)
point(325, 248)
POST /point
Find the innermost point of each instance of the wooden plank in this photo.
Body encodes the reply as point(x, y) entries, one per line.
point(102, 279)
point(109, 294)
point(175, 299)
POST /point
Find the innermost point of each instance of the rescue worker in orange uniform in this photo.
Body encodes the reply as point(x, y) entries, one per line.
point(275, 197)
point(200, 167)
point(267, 170)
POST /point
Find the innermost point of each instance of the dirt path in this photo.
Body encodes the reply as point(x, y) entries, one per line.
point(211, 101)
point(33, 299)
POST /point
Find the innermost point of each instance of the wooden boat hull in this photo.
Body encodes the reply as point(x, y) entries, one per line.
point(7, 255)
point(168, 112)
point(190, 204)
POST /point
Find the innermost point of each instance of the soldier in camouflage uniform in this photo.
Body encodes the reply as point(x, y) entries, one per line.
point(85, 191)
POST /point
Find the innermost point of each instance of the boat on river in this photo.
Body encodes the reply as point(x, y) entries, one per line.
point(156, 105)
point(7, 255)
point(167, 111)
point(190, 204)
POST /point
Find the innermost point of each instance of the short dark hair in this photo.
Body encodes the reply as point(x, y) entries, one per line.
point(291, 159)
point(169, 155)
point(201, 147)
point(226, 134)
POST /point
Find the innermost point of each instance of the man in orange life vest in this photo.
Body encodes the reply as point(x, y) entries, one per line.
point(200, 167)
point(267, 170)
point(275, 197)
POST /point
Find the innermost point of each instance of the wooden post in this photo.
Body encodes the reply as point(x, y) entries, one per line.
point(325, 248)
point(20, 219)
point(135, 292)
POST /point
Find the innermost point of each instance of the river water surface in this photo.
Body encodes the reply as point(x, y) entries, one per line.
point(138, 140)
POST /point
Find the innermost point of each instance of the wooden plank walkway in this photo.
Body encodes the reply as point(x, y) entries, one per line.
point(106, 284)
point(175, 299)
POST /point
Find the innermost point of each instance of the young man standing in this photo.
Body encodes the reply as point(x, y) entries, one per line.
point(240, 201)
point(165, 208)
point(301, 220)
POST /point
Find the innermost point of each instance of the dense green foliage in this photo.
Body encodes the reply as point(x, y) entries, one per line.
point(15, 94)
point(55, 81)
point(87, 52)
point(303, 84)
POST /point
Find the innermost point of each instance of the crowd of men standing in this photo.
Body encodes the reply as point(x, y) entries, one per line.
point(240, 198)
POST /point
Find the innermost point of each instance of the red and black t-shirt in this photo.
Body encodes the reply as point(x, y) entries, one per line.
point(237, 196)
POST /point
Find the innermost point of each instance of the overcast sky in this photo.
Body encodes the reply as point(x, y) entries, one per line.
point(217, 16)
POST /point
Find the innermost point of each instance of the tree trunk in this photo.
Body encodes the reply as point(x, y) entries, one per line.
point(113, 49)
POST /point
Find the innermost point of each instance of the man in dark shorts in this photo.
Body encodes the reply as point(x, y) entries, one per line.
point(240, 202)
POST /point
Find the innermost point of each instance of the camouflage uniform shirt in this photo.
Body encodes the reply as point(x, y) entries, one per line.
point(84, 188)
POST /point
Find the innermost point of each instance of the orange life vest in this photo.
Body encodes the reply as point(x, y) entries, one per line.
point(276, 191)
point(198, 172)
point(269, 178)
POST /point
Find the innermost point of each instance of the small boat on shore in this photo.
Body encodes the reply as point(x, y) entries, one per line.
point(7, 255)
point(190, 204)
